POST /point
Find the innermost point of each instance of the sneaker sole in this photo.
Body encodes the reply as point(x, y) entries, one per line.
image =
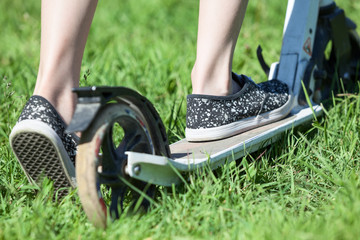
point(243, 125)
point(41, 153)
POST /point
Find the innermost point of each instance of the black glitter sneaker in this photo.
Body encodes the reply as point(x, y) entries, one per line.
point(42, 146)
point(216, 117)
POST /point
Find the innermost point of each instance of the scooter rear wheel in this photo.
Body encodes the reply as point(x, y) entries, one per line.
point(101, 160)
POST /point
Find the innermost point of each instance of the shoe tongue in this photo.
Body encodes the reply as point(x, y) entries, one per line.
point(237, 83)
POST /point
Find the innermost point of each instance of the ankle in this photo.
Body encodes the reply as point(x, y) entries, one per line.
point(209, 83)
point(63, 101)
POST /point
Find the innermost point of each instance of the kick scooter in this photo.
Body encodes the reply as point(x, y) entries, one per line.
point(320, 56)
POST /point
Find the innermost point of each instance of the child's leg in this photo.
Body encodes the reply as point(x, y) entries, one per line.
point(218, 30)
point(225, 104)
point(64, 29)
point(39, 140)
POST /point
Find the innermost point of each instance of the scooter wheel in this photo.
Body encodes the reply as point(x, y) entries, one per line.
point(101, 160)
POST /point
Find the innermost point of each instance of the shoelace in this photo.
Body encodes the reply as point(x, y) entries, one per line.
point(267, 95)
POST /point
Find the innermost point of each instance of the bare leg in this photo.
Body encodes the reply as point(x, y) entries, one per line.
point(65, 26)
point(218, 30)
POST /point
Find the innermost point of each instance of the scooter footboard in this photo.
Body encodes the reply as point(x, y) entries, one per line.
point(188, 156)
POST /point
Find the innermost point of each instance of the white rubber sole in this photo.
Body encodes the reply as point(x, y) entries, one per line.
point(231, 129)
point(41, 152)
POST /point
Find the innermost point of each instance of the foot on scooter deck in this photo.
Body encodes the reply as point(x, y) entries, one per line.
point(189, 156)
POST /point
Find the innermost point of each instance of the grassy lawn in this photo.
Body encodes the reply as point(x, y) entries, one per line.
point(306, 186)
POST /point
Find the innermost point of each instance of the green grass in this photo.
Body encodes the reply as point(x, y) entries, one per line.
point(306, 186)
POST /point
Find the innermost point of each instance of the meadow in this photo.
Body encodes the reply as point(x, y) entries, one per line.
point(306, 186)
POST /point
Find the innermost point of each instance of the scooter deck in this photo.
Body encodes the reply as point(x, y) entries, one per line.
point(188, 156)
